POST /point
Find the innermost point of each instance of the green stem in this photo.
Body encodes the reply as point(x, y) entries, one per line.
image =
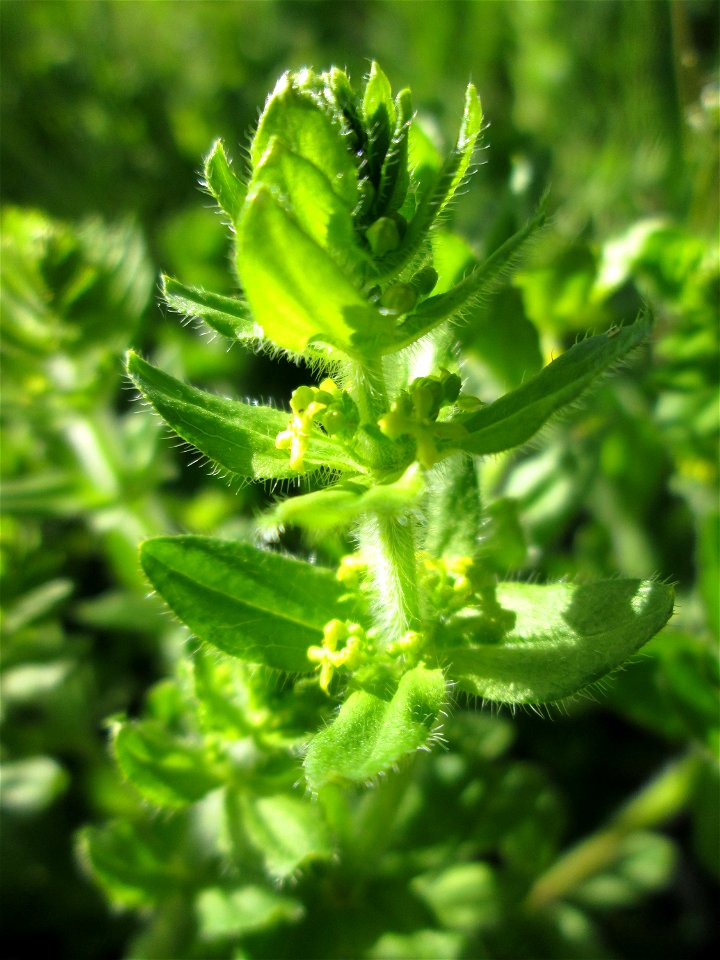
point(366, 385)
point(661, 799)
point(387, 543)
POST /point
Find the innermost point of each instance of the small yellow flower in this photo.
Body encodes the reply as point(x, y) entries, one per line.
point(343, 646)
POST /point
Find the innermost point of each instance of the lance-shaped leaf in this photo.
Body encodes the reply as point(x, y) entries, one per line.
point(443, 187)
point(297, 292)
point(370, 735)
point(287, 831)
point(394, 178)
point(305, 192)
point(338, 506)
point(255, 605)
point(565, 637)
point(379, 118)
point(222, 182)
point(307, 128)
point(239, 437)
point(478, 283)
point(518, 415)
point(165, 769)
point(227, 315)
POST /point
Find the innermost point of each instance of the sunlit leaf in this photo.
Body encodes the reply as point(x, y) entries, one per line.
point(453, 509)
point(566, 636)
point(259, 606)
point(239, 437)
point(296, 291)
point(379, 116)
point(476, 284)
point(370, 735)
point(517, 416)
point(442, 188)
point(302, 190)
point(394, 176)
point(227, 315)
point(644, 864)
point(307, 128)
point(222, 182)
point(419, 945)
point(30, 785)
point(339, 505)
point(463, 897)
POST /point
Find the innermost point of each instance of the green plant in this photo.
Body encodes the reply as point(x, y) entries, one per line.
point(352, 663)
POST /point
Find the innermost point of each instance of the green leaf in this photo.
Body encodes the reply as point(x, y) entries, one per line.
point(259, 606)
point(239, 911)
point(441, 188)
point(239, 437)
point(304, 192)
point(227, 315)
point(59, 283)
point(470, 129)
point(167, 770)
point(518, 415)
point(288, 832)
point(137, 864)
point(379, 118)
point(463, 896)
point(297, 293)
point(370, 735)
point(475, 285)
point(394, 178)
point(338, 506)
point(225, 186)
point(566, 636)
point(307, 128)
point(221, 689)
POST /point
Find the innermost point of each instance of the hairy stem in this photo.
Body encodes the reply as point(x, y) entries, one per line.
point(366, 384)
point(387, 543)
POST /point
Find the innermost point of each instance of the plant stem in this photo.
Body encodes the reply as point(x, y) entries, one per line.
point(387, 543)
point(661, 799)
point(366, 385)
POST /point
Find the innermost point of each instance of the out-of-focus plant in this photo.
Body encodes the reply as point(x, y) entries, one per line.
point(79, 484)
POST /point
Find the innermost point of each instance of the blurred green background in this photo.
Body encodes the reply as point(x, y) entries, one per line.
point(107, 110)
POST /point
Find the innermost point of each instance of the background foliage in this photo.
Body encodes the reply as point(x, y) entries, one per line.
point(107, 108)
